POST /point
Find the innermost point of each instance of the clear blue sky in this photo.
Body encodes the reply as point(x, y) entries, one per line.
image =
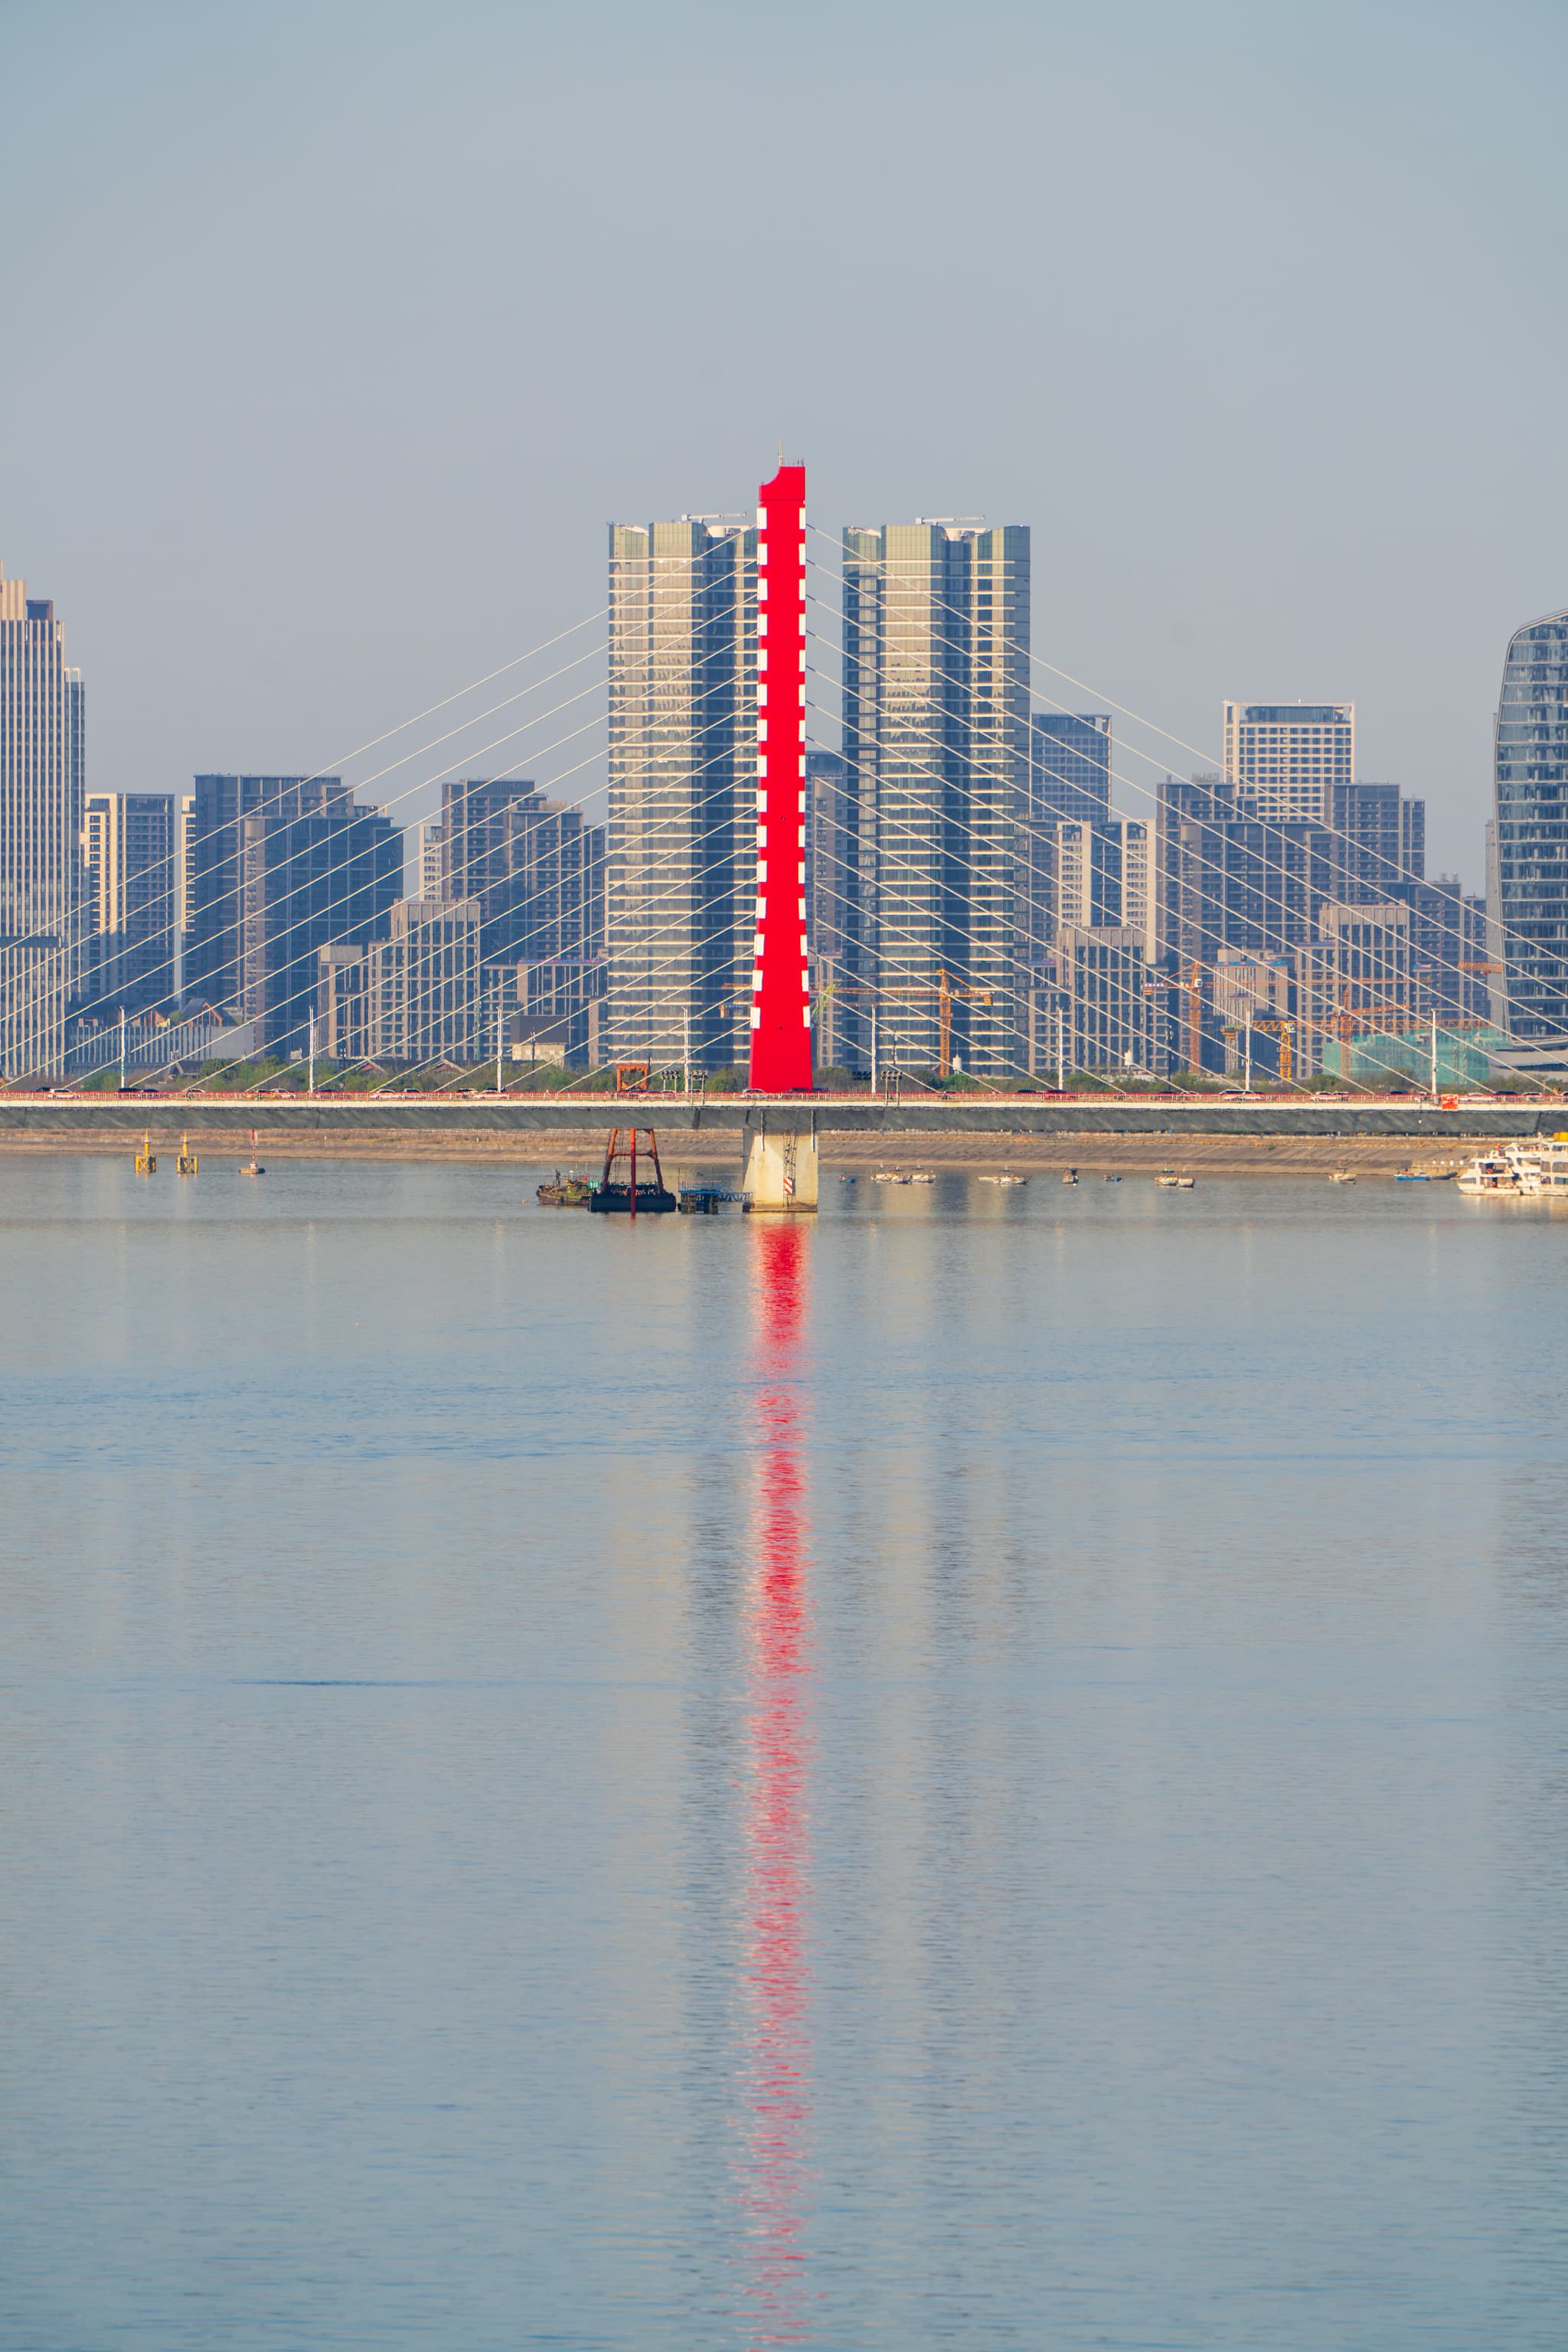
point(336, 332)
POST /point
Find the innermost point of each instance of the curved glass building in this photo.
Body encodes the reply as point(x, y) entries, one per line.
point(1528, 885)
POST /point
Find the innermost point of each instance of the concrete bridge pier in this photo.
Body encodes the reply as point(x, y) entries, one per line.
point(778, 1161)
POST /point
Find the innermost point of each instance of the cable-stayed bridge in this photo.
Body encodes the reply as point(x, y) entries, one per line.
point(793, 650)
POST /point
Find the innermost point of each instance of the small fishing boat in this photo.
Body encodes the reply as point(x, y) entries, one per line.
point(1342, 1176)
point(565, 1192)
point(1425, 1176)
point(1170, 1182)
point(919, 1176)
point(1070, 1176)
point(1005, 1179)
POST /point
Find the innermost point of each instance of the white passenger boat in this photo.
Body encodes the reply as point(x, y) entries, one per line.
point(1519, 1171)
point(1495, 1173)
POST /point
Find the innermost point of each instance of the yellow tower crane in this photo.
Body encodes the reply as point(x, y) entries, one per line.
point(947, 993)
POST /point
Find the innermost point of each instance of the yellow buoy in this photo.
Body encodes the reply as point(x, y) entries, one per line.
point(188, 1162)
point(146, 1165)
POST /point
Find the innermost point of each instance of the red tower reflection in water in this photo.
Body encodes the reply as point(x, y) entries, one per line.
point(777, 2044)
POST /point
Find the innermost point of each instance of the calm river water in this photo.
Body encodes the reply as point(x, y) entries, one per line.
point(987, 1773)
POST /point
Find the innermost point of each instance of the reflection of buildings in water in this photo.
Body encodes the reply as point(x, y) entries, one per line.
point(777, 2052)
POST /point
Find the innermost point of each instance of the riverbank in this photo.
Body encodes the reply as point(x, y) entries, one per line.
point(1230, 1155)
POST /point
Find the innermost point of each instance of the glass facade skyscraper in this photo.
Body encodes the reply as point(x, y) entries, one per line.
point(681, 867)
point(1070, 767)
point(41, 870)
point(1528, 883)
point(936, 737)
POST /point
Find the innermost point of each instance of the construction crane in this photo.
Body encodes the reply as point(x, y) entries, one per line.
point(1195, 995)
point(1354, 1020)
point(1283, 1030)
point(946, 991)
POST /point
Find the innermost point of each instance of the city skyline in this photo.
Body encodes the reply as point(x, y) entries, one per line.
point(1284, 856)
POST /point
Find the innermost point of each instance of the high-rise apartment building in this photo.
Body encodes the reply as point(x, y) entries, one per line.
point(681, 897)
point(1068, 784)
point(536, 869)
point(431, 872)
point(415, 996)
point(1449, 951)
point(1104, 1001)
point(1527, 883)
point(535, 865)
point(557, 1004)
point(343, 1019)
point(1106, 872)
point(130, 850)
point(937, 740)
point(1069, 766)
point(1230, 880)
point(1413, 838)
point(474, 849)
point(1383, 837)
point(41, 791)
point(282, 866)
point(834, 883)
point(1286, 759)
point(1354, 978)
point(838, 896)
